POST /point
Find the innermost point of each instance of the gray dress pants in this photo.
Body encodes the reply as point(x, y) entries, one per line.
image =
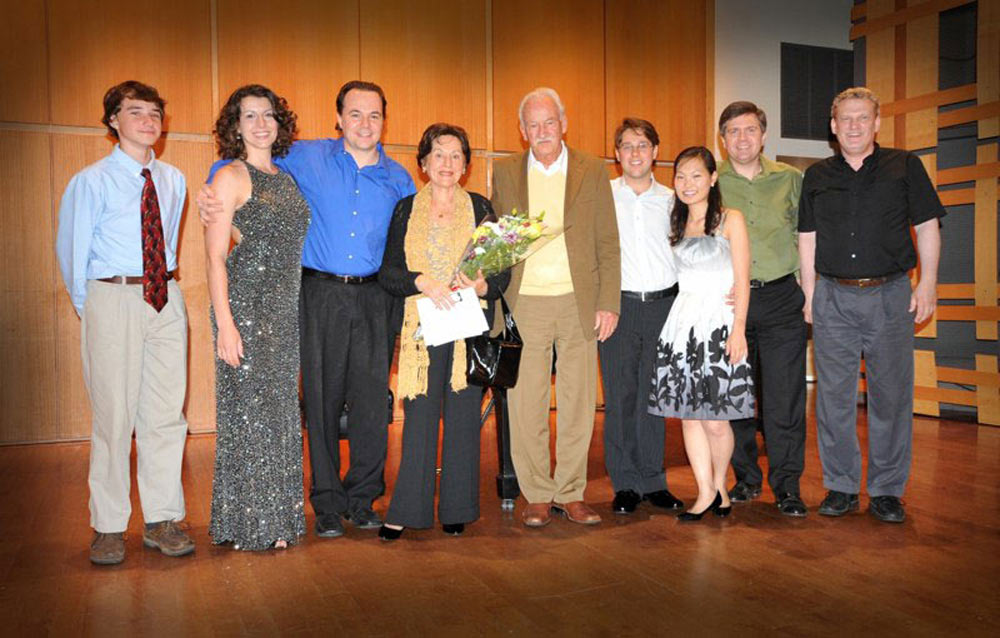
point(875, 322)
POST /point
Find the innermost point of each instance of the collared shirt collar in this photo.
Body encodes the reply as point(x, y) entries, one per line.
point(656, 188)
point(381, 163)
point(126, 160)
point(766, 167)
point(558, 166)
point(869, 160)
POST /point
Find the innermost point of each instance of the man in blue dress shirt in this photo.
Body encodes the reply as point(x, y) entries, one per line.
point(352, 188)
point(117, 250)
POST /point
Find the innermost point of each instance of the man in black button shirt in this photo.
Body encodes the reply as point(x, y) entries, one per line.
point(855, 215)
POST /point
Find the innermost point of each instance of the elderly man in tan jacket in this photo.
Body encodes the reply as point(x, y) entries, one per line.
point(565, 295)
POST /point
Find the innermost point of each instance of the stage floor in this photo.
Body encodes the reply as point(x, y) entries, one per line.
point(755, 573)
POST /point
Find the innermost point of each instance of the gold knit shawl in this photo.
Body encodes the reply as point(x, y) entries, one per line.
point(414, 361)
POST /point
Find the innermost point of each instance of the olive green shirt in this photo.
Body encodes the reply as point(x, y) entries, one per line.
point(770, 205)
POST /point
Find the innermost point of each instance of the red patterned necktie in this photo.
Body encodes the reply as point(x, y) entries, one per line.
point(154, 253)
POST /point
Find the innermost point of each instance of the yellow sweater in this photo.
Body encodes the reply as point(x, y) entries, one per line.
point(546, 272)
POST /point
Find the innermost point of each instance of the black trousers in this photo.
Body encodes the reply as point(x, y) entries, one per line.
point(633, 438)
point(344, 332)
point(413, 497)
point(776, 336)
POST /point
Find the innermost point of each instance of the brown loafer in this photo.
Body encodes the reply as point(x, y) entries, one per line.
point(578, 512)
point(107, 549)
point(167, 537)
point(536, 515)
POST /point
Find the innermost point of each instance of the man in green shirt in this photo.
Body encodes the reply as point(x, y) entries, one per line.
point(767, 193)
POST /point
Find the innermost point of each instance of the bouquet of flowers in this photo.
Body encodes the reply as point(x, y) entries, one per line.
point(498, 244)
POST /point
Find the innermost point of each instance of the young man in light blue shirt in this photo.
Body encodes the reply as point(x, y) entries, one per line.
point(117, 250)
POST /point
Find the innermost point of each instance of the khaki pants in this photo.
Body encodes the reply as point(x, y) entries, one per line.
point(135, 368)
point(544, 322)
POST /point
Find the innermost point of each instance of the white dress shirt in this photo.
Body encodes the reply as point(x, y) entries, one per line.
point(559, 166)
point(644, 233)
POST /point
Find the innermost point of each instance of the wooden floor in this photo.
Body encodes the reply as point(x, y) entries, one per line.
point(756, 573)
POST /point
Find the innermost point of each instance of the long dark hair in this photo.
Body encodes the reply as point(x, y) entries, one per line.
point(679, 214)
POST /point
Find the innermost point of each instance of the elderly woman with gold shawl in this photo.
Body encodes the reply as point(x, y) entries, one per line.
point(428, 232)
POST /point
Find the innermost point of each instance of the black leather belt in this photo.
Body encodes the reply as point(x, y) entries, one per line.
point(344, 279)
point(650, 296)
point(129, 279)
point(756, 284)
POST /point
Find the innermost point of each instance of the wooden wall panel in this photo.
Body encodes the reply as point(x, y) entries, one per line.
point(94, 45)
point(194, 159)
point(925, 375)
point(304, 52)
point(27, 289)
point(474, 181)
point(921, 78)
point(431, 63)
point(642, 85)
point(985, 241)
point(560, 45)
point(881, 65)
point(70, 154)
point(988, 62)
point(24, 95)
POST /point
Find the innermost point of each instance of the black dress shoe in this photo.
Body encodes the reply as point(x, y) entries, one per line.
point(743, 492)
point(454, 529)
point(838, 503)
point(663, 499)
point(625, 502)
point(329, 526)
point(791, 505)
point(887, 509)
point(365, 518)
point(687, 517)
point(389, 534)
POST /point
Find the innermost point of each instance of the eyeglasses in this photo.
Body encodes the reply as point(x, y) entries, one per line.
point(642, 147)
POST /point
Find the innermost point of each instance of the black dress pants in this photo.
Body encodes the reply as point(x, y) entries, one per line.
point(776, 337)
point(633, 438)
point(344, 331)
point(413, 497)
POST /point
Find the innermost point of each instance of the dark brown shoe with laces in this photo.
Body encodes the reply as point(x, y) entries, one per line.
point(169, 538)
point(107, 549)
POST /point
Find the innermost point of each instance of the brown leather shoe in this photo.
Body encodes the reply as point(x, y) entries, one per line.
point(536, 515)
point(578, 512)
point(107, 549)
point(167, 537)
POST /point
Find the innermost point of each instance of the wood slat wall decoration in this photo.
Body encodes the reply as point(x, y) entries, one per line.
point(902, 67)
point(468, 62)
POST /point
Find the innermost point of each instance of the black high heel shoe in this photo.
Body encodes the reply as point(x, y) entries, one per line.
point(721, 511)
point(453, 529)
point(686, 517)
point(389, 534)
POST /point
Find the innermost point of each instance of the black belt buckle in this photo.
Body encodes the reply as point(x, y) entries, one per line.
point(344, 279)
point(757, 284)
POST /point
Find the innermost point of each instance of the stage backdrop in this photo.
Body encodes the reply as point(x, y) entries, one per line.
point(462, 61)
point(946, 107)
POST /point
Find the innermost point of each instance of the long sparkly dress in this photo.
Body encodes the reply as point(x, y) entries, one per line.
point(257, 493)
point(693, 378)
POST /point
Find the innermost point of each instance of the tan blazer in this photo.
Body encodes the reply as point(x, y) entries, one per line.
point(591, 231)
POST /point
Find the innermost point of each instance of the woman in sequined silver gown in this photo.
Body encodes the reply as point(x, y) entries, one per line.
point(257, 493)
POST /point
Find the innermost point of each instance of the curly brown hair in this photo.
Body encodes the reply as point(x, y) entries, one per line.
point(227, 127)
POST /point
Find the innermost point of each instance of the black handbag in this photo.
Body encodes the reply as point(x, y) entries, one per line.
point(493, 361)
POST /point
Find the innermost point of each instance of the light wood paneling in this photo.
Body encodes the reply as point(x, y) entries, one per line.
point(431, 63)
point(929, 100)
point(881, 66)
point(70, 154)
point(988, 396)
point(304, 51)
point(985, 241)
point(641, 85)
point(883, 20)
point(24, 95)
point(194, 159)
point(27, 289)
point(921, 78)
point(988, 63)
point(95, 45)
point(925, 375)
point(556, 43)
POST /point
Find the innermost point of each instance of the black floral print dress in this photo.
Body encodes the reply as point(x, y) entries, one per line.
point(693, 378)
